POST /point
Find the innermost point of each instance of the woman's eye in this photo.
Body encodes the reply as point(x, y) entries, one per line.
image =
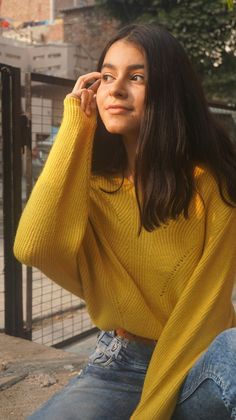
point(107, 77)
point(137, 77)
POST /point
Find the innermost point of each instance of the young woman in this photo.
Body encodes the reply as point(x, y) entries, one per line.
point(135, 213)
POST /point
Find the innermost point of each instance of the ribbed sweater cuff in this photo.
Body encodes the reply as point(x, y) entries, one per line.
point(73, 113)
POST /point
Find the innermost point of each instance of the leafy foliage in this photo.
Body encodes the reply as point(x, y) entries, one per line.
point(206, 29)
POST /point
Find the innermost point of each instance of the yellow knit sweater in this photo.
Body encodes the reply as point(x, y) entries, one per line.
point(173, 285)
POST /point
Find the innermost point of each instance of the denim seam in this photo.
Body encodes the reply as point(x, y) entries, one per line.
point(202, 378)
point(233, 414)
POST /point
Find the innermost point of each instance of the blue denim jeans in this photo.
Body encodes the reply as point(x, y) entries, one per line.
point(110, 386)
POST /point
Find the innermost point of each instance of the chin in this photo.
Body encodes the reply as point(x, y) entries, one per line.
point(114, 130)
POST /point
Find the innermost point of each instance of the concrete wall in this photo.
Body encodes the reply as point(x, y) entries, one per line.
point(52, 59)
point(55, 60)
point(14, 54)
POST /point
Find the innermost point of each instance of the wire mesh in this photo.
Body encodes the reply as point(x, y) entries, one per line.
point(57, 315)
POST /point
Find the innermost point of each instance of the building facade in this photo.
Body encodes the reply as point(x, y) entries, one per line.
point(37, 10)
point(57, 59)
point(74, 40)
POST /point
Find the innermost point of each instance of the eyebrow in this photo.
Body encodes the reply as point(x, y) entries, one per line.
point(130, 67)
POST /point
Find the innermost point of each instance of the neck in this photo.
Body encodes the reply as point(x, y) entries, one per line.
point(130, 147)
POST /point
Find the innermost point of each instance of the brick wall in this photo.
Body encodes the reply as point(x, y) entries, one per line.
point(31, 10)
point(55, 32)
point(25, 10)
point(90, 29)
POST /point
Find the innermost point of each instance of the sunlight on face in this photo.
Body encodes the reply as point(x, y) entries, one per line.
point(121, 94)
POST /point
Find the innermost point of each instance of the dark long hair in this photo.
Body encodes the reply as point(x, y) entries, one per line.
point(177, 133)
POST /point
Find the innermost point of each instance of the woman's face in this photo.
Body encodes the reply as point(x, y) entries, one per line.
point(121, 94)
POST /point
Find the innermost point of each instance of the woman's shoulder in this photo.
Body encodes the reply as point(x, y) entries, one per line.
point(211, 189)
point(204, 179)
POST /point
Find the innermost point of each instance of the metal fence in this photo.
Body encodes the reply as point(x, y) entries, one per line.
point(11, 281)
point(2, 295)
point(31, 305)
point(57, 315)
point(50, 314)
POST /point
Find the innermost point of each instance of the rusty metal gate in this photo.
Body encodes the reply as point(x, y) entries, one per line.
point(31, 305)
point(11, 307)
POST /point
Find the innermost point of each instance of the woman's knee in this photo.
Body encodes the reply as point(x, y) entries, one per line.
point(224, 344)
point(206, 401)
point(216, 370)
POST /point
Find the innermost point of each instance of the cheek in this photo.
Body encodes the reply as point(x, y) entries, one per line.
point(142, 98)
point(99, 99)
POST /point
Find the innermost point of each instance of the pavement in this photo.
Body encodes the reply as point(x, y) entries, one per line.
point(31, 373)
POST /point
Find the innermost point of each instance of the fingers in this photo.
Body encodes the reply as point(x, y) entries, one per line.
point(87, 80)
point(85, 89)
point(87, 99)
point(94, 85)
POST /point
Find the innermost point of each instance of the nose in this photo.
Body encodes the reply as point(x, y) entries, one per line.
point(118, 89)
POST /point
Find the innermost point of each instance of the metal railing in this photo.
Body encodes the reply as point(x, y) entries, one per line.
point(31, 305)
point(11, 198)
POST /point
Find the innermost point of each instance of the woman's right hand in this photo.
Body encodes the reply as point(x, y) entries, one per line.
point(85, 89)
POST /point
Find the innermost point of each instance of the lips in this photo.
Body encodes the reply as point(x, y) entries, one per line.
point(118, 109)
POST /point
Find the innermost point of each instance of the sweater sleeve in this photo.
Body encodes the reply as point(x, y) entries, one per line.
point(203, 310)
point(54, 220)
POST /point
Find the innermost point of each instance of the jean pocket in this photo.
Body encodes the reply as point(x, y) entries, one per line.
point(100, 358)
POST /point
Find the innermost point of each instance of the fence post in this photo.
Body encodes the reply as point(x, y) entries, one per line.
point(11, 110)
point(29, 185)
